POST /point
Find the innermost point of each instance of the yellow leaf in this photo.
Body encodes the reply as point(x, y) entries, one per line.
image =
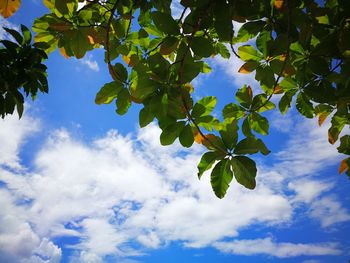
point(278, 90)
point(131, 61)
point(248, 67)
point(331, 140)
point(343, 166)
point(278, 4)
point(198, 138)
point(188, 87)
point(63, 52)
point(250, 91)
point(322, 117)
point(9, 7)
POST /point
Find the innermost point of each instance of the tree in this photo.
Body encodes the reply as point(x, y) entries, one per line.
point(299, 49)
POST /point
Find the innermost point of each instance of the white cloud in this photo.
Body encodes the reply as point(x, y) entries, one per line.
point(5, 23)
point(281, 250)
point(12, 136)
point(329, 211)
point(90, 62)
point(119, 190)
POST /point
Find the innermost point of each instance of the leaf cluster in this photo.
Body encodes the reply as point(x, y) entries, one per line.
point(297, 50)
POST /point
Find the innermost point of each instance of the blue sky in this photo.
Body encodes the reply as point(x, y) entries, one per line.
point(79, 183)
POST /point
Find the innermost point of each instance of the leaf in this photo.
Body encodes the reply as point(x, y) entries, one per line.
point(278, 4)
point(123, 102)
point(338, 122)
point(258, 123)
point(9, 7)
point(286, 100)
point(121, 72)
point(27, 35)
point(63, 52)
point(169, 45)
point(233, 111)
point(344, 165)
point(108, 92)
point(229, 134)
point(202, 47)
point(222, 50)
point(244, 96)
point(244, 170)
point(248, 67)
point(186, 136)
point(323, 111)
point(249, 30)
point(251, 145)
point(220, 178)
point(146, 116)
point(248, 53)
point(17, 36)
point(344, 146)
point(261, 104)
point(165, 23)
point(170, 133)
point(304, 105)
point(207, 162)
point(198, 138)
point(204, 106)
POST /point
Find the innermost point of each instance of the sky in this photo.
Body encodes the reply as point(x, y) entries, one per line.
point(78, 183)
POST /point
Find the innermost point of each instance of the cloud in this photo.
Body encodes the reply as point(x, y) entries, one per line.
point(13, 134)
point(120, 196)
point(281, 250)
point(5, 23)
point(90, 63)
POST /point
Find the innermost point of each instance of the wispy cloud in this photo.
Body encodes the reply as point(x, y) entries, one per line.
point(89, 61)
point(281, 250)
point(119, 195)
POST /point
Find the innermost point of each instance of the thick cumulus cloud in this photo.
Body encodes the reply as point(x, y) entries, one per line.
point(122, 195)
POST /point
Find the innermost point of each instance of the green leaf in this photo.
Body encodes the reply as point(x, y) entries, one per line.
point(146, 116)
point(207, 162)
point(221, 176)
point(202, 47)
point(123, 101)
point(169, 45)
point(222, 50)
point(142, 87)
point(204, 106)
point(286, 101)
point(244, 96)
point(344, 146)
point(17, 36)
point(108, 92)
point(165, 23)
point(265, 76)
point(251, 145)
point(121, 72)
point(244, 170)
point(338, 122)
point(186, 137)
point(304, 105)
point(233, 111)
point(261, 104)
point(263, 41)
point(27, 36)
point(248, 52)
point(170, 133)
point(258, 123)
point(229, 134)
point(249, 30)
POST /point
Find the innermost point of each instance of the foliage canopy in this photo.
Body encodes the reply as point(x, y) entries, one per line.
point(299, 49)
